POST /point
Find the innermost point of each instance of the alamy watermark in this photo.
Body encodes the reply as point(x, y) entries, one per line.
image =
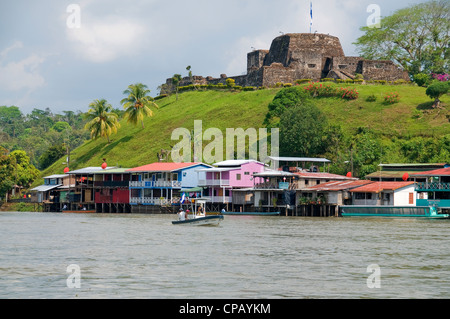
point(74, 279)
point(73, 21)
point(190, 146)
point(374, 280)
point(374, 20)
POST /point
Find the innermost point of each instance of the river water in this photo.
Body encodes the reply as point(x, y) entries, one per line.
point(145, 256)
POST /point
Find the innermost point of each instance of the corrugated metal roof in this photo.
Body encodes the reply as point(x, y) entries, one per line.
point(435, 172)
point(44, 188)
point(338, 185)
point(89, 170)
point(300, 159)
point(377, 187)
point(323, 176)
point(56, 176)
point(112, 171)
point(234, 162)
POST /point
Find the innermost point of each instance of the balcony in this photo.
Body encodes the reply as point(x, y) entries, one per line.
point(150, 201)
point(276, 185)
point(219, 199)
point(433, 187)
point(214, 182)
point(156, 184)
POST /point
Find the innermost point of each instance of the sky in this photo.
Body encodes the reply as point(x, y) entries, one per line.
point(63, 55)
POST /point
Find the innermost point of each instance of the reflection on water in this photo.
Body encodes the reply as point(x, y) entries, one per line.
point(145, 256)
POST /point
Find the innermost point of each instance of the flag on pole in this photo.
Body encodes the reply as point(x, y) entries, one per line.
point(183, 198)
point(311, 14)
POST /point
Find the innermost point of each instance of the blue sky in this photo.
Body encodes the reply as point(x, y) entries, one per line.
point(46, 63)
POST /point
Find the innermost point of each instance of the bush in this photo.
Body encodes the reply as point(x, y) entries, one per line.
point(349, 94)
point(327, 80)
point(371, 98)
point(230, 82)
point(249, 88)
point(301, 81)
point(319, 90)
point(422, 79)
point(391, 98)
point(287, 85)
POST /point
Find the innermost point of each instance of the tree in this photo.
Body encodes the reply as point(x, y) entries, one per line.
point(417, 38)
point(101, 121)
point(176, 79)
point(51, 155)
point(436, 90)
point(302, 130)
point(283, 100)
point(137, 103)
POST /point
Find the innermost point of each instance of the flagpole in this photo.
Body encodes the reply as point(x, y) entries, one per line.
point(311, 14)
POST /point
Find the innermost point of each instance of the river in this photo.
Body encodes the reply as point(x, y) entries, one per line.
point(46, 255)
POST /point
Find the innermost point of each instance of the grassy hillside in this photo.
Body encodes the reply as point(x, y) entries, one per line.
point(133, 146)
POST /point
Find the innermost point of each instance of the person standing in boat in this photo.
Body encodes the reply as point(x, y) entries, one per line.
point(182, 214)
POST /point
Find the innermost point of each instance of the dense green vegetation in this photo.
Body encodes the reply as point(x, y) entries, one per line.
point(363, 130)
point(43, 135)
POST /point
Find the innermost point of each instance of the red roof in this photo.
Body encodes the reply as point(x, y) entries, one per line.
point(339, 185)
point(162, 167)
point(435, 172)
point(377, 187)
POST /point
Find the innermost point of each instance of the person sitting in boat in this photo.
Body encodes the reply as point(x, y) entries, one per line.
point(223, 211)
point(182, 215)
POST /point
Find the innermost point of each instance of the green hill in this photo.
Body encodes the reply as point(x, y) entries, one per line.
point(133, 146)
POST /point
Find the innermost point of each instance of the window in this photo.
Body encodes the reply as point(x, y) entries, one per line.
point(246, 173)
point(411, 198)
point(311, 66)
point(238, 177)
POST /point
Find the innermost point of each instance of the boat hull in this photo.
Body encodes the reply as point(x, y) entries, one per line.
point(392, 211)
point(200, 221)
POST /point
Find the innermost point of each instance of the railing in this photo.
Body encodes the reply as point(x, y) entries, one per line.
point(111, 184)
point(214, 182)
point(436, 186)
point(219, 199)
point(275, 185)
point(150, 201)
point(152, 184)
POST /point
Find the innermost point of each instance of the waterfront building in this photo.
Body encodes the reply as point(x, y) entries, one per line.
point(434, 190)
point(161, 184)
point(221, 181)
point(333, 193)
point(112, 193)
point(53, 191)
point(396, 172)
point(385, 194)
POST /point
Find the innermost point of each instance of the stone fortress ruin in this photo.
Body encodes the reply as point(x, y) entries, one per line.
point(297, 56)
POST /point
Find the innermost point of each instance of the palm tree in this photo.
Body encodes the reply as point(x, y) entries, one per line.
point(101, 121)
point(137, 104)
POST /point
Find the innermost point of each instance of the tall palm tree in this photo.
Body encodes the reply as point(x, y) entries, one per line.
point(137, 103)
point(101, 121)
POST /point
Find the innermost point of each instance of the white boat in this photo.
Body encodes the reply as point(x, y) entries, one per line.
point(212, 220)
point(199, 217)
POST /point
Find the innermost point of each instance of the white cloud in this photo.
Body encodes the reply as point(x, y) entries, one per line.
point(107, 39)
point(22, 74)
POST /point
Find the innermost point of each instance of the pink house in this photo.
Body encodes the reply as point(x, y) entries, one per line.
point(219, 181)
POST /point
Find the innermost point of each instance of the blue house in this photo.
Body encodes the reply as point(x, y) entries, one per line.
point(162, 183)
